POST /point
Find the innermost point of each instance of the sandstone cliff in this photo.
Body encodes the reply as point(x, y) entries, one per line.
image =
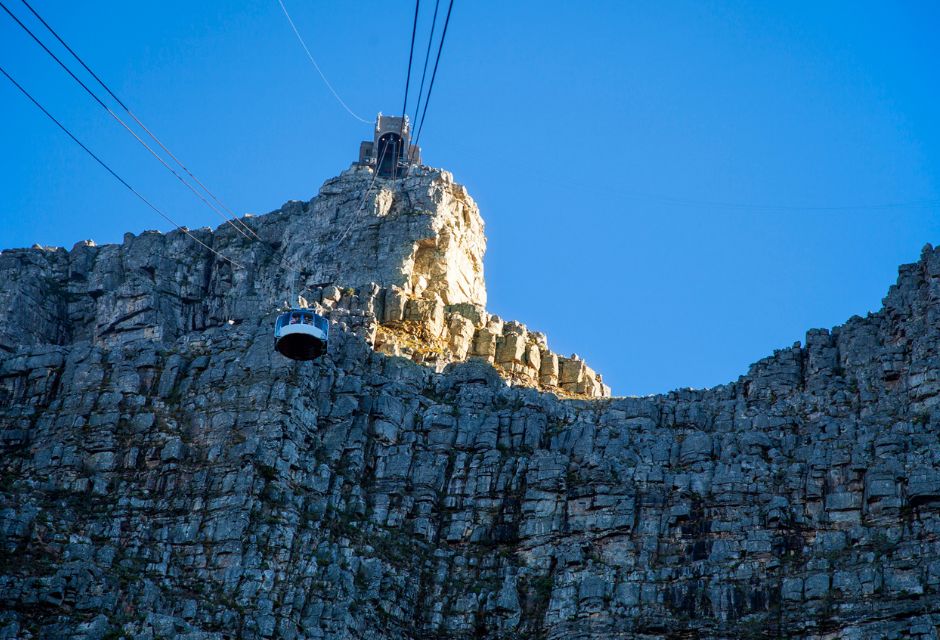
point(441, 474)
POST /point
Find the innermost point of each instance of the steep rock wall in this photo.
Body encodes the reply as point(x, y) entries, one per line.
point(422, 233)
point(164, 474)
point(416, 242)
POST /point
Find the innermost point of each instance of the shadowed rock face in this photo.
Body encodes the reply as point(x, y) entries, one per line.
point(164, 473)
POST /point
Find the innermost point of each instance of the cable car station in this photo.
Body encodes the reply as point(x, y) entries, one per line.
point(390, 152)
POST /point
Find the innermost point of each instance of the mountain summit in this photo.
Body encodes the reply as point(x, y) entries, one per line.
point(440, 472)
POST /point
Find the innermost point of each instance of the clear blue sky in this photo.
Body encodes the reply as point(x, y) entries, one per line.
point(671, 190)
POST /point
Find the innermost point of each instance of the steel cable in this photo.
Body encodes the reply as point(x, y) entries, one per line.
point(317, 67)
point(365, 195)
point(112, 172)
point(404, 106)
point(119, 120)
point(101, 82)
point(424, 71)
point(437, 60)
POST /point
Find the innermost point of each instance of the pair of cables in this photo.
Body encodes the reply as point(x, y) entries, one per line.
point(202, 192)
point(196, 186)
point(418, 125)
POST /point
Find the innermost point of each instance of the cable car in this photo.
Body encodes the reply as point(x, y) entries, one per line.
point(301, 334)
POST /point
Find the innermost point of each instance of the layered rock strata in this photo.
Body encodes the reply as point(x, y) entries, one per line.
point(407, 253)
point(163, 473)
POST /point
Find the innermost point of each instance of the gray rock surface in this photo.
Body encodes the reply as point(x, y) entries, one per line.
point(164, 473)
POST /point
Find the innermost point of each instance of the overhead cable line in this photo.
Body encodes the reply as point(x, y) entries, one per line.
point(119, 120)
point(112, 172)
point(241, 223)
point(427, 56)
point(404, 107)
point(349, 226)
point(437, 60)
point(411, 53)
point(345, 232)
point(362, 202)
point(317, 67)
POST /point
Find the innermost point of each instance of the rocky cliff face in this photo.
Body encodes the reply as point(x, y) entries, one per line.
point(440, 474)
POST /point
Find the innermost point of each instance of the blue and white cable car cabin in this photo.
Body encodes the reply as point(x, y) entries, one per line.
point(301, 334)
